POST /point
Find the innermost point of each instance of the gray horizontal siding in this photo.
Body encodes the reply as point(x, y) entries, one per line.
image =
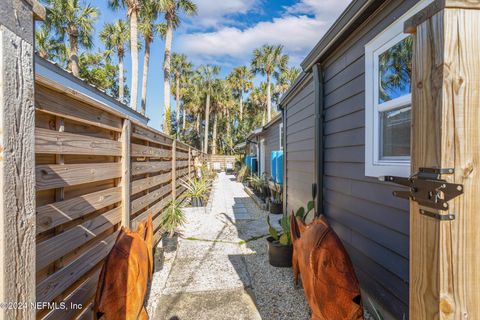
point(272, 143)
point(373, 224)
point(299, 154)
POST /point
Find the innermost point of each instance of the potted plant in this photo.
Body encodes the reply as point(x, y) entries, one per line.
point(280, 248)
point(198, 190)
point(170, 220)
point(276, 204)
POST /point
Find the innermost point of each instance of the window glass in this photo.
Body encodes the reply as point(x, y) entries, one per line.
point(395, 126)
point(395, 70)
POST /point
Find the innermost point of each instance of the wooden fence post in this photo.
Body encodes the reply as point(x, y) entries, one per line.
point(444, 255)
point(126, 162)
point(17, 157)
point(189, 162)
point(174, 169)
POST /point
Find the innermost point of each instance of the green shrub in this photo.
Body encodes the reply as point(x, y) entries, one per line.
point(172, 218)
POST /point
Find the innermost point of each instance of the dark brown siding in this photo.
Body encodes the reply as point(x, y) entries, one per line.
point(299, 153)
point(272, 143)
point(373, 224)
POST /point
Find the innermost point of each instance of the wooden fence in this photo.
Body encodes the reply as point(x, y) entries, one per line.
point(221, 162)
point(96, 170)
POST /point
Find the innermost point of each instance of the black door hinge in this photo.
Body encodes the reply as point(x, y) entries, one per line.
point(429, 191)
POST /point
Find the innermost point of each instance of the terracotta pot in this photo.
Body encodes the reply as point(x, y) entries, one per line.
point(279, 255)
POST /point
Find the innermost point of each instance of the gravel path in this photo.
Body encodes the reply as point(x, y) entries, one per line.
point(219, 267)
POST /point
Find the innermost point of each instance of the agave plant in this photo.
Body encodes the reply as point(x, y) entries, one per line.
point(172, 218)
point(197, 189)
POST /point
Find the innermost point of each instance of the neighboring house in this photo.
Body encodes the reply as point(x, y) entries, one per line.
point(262, 141)
point(346, 124)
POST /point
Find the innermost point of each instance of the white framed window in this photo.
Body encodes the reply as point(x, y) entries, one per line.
point(388, 66)
point(280, 134)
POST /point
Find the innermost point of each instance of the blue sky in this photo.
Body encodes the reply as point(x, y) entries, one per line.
point(225, 33)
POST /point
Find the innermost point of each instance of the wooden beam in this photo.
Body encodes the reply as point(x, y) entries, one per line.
point(444, 255)
point(60, 142)
point(17, 158)
point(55, 214)
point(174, 170)
point(49, 176)
point(126, 173)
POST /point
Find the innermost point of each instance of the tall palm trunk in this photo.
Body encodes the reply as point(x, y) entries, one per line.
point(134, 54)
point(197, 124)
point(269, 99)
point(146, 62)
point(263, 117)
point(228, 122)
point(121, 85)
point(73, 60)
point(177, 100)
point(214, 134)
point(207, 115)
point(183, 119)
point(241, 105)
point(166, 72)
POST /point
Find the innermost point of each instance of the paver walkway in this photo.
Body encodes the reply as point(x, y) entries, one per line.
point(219, 267)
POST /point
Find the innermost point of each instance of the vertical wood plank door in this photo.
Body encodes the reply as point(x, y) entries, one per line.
point(445, 255)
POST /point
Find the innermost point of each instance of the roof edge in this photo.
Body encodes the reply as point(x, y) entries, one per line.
point(348, 17)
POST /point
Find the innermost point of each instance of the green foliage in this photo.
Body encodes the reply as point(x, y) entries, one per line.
point(301, 211)
point(241, 173)
point(284, 238)
point(197, 188)
point(172, 218)
point(99, 72)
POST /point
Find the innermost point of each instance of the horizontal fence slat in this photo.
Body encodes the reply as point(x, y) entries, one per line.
point(144, 201)
point(154, 210)
point(55, 142)
point(82, 294)
point(149, 182)
point(51, 176)
point(58, 282)
point(54, 214)
point(139, 150)
point(141, 132)
point(65, 242)
point(156, 220)
point(55, 103)
point(149, 167)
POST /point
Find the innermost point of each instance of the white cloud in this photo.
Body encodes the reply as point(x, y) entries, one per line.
point(212, 13)
point(296, 33)
point(298, 29)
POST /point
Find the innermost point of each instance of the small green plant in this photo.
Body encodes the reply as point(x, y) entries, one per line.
point(277, 194)
point(241, 173)
point(172, 218)
point(284, 238)
point(197, 188)
point(301, 211)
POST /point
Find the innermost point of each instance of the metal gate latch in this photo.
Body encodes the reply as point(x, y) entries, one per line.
point(428, 190)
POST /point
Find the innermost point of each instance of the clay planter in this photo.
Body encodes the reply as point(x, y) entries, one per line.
point(279, 255)
point(276, 208)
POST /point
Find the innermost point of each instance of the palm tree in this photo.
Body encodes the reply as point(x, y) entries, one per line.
point(192, 100)
point(258, 100)
point(207, 75)
point(133, 9)
point(241, 82)
point(75, 20)
point(46, 47)
point(286, 79)
point(181, 68)
point(172, 9)
point(115, 36)
point(148, 15)
point(270, 61)
point(222, 101)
